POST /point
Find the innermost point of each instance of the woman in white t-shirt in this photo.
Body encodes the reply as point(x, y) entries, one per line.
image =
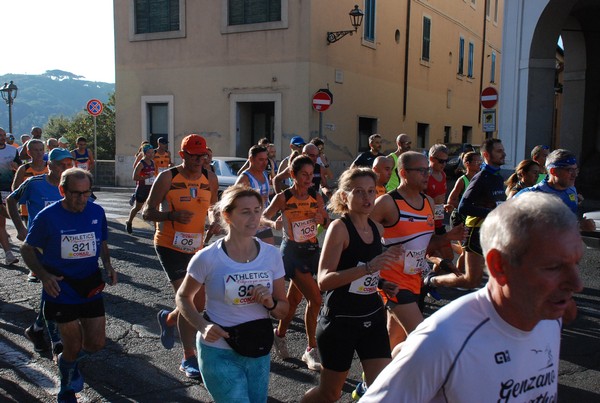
point(244, 282)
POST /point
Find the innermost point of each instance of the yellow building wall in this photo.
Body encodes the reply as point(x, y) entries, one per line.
point(206, 69)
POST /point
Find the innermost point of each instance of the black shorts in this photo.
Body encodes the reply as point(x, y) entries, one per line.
point(64, 313)
point(403, 297)
point(471, 244)
point(299, 256)
point(174, 263)
point(338, 338)
point(142, 193)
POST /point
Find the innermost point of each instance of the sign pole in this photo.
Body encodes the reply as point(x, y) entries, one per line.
point(95, 152)
point(320, 125)
point(95, 108)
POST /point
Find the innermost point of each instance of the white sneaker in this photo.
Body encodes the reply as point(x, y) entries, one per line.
point(311, 358)
point(281, 346)
point(10, 258)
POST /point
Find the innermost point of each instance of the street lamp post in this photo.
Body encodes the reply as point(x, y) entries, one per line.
point(9, 93)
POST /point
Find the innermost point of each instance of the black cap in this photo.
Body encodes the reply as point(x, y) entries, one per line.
point(163, 140)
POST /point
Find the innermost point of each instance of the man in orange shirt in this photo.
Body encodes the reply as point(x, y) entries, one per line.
point(178, 202)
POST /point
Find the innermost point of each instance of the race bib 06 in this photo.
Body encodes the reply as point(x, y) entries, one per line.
point(187, 241)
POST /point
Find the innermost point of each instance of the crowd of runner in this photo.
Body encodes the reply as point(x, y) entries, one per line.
point(386, 248)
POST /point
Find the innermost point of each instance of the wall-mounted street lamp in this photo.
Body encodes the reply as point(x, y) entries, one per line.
point(9, 93)
point(356, 17)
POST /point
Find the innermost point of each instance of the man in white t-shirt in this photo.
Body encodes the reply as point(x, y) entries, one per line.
point(501, 343)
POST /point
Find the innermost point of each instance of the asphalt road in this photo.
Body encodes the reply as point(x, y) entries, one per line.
point(134, 367)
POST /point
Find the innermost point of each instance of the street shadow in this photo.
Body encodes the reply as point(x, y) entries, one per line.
point(121, 374)
point(568, 394)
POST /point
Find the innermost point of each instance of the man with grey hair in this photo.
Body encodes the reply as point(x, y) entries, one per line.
point(365, 159)
point(501, 343)
point(403, 141)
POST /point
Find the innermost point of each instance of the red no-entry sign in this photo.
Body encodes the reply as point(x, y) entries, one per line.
point(489, 97)
point(321, 101)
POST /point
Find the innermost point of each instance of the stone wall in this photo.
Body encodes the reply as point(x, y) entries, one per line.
point(105, 173)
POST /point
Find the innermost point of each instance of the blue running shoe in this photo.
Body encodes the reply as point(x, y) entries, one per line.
point(167, 333)
point(190, 367)
point(76, 380)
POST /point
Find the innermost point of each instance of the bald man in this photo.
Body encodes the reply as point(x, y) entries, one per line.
point(383, 167)
point(404, 142)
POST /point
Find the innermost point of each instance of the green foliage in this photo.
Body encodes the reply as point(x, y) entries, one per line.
point(82, 124)
point(54, 93)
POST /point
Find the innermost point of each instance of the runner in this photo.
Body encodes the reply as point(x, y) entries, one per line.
point(71, 235)
point(37, 166)
point(9, 162)
point(484, 193)
point(383, 167)
point(36, 193)
point(243, 279)
point(526, 175)
point(257, 177)
point(162, 156)
point(178, 202)
point(472, 163)
point(84, 158)
point(407, 216)
point(436, 189)
point(144, 175)
point(353, 315)
point(302, 209)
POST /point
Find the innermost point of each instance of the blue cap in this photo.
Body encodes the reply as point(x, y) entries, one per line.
point(59, 154)
point(297, 141)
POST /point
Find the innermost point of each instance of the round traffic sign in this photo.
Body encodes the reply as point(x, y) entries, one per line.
point(94, 107)
point(489, 97)
point(321, 101)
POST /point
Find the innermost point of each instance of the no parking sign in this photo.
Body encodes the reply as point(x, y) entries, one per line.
point(94, 107)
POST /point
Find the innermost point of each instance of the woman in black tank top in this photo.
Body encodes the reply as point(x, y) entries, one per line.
point(353, 317)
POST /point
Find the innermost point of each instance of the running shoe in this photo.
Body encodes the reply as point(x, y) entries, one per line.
point(361, 389)
point(167, 333)
point(190, 367)
point(10, 258)
point(128, 227)
point(76, 380)
point(311, 358)
point(37, 338)
point(280, 344)
point(32, 278)
point(66, 397)
point(428, 288)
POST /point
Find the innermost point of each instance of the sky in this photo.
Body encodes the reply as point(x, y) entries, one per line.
point(72, 35)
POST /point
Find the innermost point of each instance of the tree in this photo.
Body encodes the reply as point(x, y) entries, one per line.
point(82, 125)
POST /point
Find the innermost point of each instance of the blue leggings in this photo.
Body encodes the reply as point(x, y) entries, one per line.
point(231, 377)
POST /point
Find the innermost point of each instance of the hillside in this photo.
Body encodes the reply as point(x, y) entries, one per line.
point(53, 93)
